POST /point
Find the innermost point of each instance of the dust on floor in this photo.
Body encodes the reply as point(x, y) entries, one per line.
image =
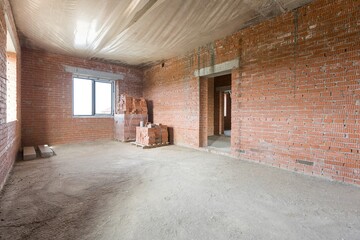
point(112, 190)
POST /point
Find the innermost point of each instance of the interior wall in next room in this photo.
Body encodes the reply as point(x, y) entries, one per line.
point(227, 118)
point(221, 122)
point(211, 106)
point(47, 99)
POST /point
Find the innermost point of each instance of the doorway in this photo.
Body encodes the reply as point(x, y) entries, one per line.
point(219, 113)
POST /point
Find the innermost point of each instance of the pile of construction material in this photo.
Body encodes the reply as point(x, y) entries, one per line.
point(29, 153)
point(125, 126)
point(131, 105)
point(130, 113)
point(152, 135)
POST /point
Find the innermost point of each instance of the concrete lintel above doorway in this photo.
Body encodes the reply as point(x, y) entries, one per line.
point(217, 69)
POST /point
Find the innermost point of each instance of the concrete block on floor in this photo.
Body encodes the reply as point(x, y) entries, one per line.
point(29, 153)
point(45, 151)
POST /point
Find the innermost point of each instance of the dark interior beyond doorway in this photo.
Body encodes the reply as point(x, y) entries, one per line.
point(221, 136)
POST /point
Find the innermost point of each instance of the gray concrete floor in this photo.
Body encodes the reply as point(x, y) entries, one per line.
point(220, 143)
point(111, 190)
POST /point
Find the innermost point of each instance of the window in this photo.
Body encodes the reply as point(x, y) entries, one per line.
point(11, 88)
point(11, 83)
point(92, 97)
point(103, 98)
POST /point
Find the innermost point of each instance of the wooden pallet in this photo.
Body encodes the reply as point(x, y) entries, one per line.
point(126, 141)
point(150, 146)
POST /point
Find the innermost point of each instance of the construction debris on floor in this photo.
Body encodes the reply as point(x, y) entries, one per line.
point(45, 151)
point(29, 153)
point(130, 113)
point(152, 135)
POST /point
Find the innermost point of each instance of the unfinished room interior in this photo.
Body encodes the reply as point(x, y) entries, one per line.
point(180, 119)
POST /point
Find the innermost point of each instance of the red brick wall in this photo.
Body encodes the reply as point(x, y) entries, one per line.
point(211, 115)
point(295, 95)
point(174, 93)
point(47, 99)
point(10, 132)
point(203, 112)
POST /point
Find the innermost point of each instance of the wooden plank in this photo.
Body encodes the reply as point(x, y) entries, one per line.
point(149, 146)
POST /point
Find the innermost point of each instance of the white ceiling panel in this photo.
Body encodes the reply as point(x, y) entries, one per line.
point(136, 32)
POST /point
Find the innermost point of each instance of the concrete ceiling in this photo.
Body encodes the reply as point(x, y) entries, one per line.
point(136, 32)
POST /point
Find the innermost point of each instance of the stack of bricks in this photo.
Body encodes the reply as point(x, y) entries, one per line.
point(130, 112)
point(152, 135)
point(131, 105)
point(145, 136)
point(125, 126)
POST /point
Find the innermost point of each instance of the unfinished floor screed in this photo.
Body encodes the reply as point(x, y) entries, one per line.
point(272, 82)
point(112, 190)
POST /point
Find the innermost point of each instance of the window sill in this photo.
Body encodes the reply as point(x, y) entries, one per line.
point(96, 116)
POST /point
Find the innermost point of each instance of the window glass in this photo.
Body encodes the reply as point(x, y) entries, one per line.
point(103, 98)
point(11, 88)
point(92, 97)
point(83, 95)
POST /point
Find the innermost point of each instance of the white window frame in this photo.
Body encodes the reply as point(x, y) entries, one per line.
point(94, 80)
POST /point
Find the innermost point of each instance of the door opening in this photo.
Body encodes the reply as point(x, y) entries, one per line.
point(219, 113)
